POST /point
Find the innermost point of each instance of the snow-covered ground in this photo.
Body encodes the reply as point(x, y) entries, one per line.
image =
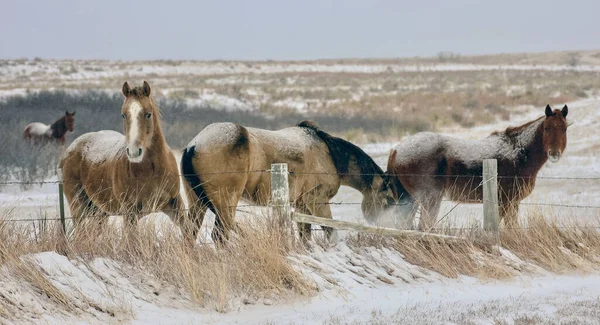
point(90, 70)
point(355, 287)
point(358, 286)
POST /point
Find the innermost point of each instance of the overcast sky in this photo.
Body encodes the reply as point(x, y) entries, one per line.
point(285, 29)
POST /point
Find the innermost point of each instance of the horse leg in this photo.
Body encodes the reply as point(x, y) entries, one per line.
point(510, 213)
point(225, 205)
point(81, 206)
point(304, 229)
point(324, 211)
point(430, 207)
point(189, 222)
point(77, 200)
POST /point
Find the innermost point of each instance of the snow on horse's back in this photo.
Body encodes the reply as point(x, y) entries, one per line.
point(108, 173)
point(226, 162)
point(40, 133)
point(431, 166)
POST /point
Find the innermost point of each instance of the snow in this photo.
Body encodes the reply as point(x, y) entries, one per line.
point(85, 70)
point(100, 146)
point(37, 128)
point(356, 285)
point(220, 102)
point(365, 285)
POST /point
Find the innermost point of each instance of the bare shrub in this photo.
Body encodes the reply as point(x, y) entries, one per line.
point(573, 59)
point(448, 56)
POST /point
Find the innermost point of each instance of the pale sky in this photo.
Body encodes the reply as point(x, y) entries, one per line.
point(283, 30)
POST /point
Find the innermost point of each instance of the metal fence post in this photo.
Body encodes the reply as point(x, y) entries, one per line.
point(490, 195)
point(61, 203)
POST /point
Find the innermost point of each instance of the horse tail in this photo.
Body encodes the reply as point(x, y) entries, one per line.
point(242, 143)
point(190, 175)
point(400, 192)
point(26, 133)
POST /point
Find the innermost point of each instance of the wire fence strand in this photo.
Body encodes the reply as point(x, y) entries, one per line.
point(293, 173)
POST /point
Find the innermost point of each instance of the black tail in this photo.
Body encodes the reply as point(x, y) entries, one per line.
point(187, 168)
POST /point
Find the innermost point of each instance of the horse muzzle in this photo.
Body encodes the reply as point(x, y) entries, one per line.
point(554, 156)
point(135, 155)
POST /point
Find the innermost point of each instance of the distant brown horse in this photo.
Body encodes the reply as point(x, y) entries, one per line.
point(134, 174)
point(431, 165)
point(226, 162)
point(40, 133)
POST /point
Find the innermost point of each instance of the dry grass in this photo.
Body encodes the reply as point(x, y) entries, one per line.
point(556, 248)
point(415, 101)
point(253, 266)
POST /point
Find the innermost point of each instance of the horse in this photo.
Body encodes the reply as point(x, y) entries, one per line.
point(39, 133)
point(107, 173)
point(431, 166)
point(226, 162)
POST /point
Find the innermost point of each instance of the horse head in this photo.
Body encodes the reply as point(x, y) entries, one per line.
point(70, 121)
point(140, 118)
point(555, 132)
point(379, 198)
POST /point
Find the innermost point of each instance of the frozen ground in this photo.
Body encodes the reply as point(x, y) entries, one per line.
point(571, 186)
point(356, 286)
point(363, 286)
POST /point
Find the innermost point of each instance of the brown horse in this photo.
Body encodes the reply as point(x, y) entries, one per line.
point(134, 174)
point(39, 133)
point(226, 162)
point(431, 165)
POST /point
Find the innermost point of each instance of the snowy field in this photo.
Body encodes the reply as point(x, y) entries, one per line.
point(573, 181)
point(355, 285)
point(365, 286)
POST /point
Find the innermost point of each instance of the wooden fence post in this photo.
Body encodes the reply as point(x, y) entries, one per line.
point(280, 193)
point(61, 202)
point(490, 195)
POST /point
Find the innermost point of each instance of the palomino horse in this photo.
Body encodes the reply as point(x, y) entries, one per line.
point(40, 133)
point(431, 165)
point(106, 172)
point(226, 162)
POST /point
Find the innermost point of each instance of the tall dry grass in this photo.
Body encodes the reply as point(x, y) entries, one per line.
point(540, 243)
point(253, 266)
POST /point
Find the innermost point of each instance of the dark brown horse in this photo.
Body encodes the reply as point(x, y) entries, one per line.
point(108, 173)
point(39, 133)
point(431, 166)
point(226, 162)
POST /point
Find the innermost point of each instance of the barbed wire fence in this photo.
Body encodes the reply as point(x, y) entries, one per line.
point(280, 201)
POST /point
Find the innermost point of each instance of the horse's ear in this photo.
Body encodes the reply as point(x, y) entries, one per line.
point(548, 111)
point(565, 111)
point(126, 89)
point(146, 89)
point(67, 113)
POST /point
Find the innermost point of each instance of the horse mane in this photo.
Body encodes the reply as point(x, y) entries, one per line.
point(59, 127)
point(512, 131)
point(342, 152)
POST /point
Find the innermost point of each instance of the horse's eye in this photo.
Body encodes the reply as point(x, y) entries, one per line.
point(148, 115)
point(123, 116)
point(546, 129)
point(565, 130)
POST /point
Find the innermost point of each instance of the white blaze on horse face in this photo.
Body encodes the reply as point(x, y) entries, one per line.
point(134, 150)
